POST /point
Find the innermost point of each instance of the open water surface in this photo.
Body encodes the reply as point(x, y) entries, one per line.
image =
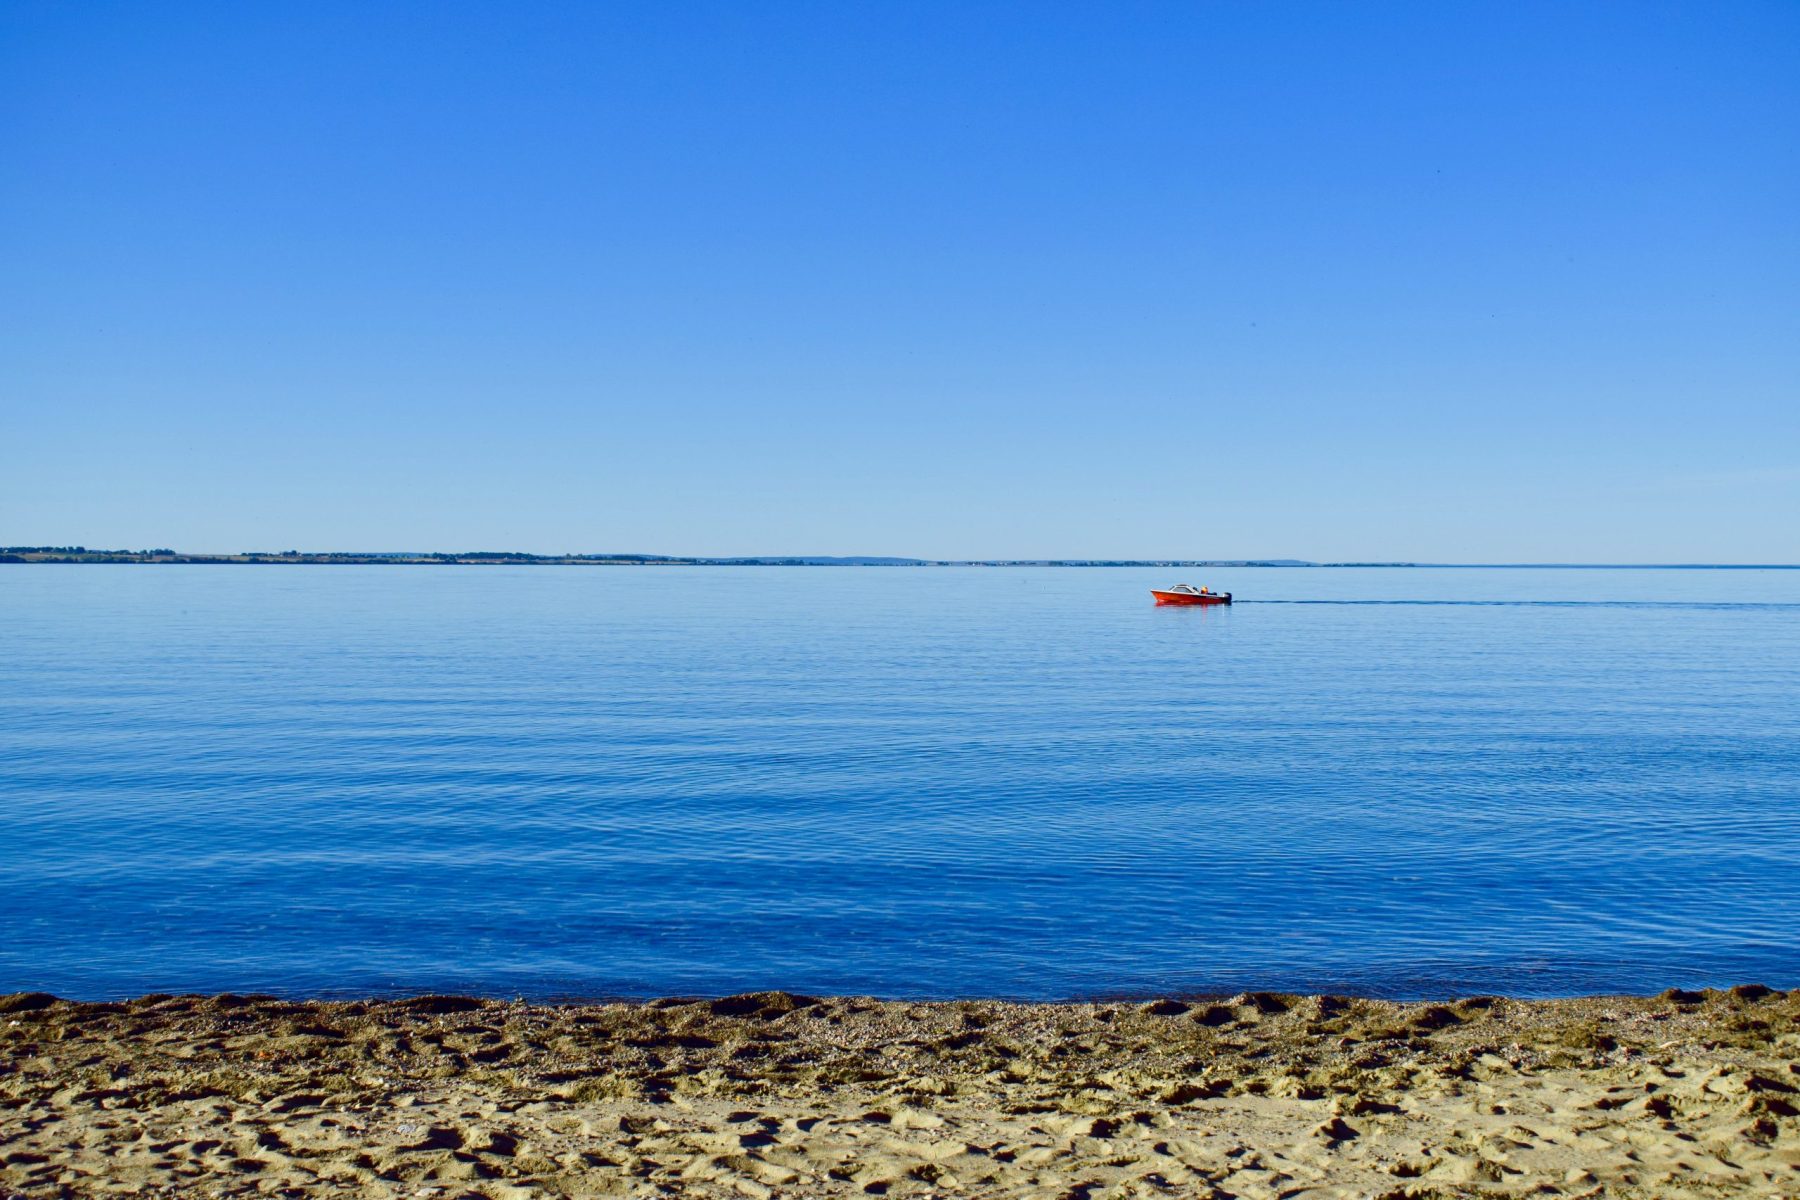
point(613, 781)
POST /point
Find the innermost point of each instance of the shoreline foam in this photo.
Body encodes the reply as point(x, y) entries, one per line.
point(1258, 1095)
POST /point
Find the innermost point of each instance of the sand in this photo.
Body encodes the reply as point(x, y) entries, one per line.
point(1259, 1095)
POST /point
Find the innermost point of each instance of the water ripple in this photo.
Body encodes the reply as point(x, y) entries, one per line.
point(1009, 783)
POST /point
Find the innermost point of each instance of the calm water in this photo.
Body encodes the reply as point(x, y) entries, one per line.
point(617, 781)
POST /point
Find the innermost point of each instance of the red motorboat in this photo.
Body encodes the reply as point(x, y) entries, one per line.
point(1187, 593)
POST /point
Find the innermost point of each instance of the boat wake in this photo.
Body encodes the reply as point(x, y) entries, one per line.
point(1724, 606)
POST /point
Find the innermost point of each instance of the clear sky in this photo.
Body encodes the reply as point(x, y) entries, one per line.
point(1441, 281)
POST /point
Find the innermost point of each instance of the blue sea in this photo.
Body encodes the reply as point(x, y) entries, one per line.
point(911, 782)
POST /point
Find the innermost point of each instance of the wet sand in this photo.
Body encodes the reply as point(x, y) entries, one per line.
point(1258, 1095)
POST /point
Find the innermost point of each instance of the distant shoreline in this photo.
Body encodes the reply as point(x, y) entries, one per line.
point(65, 555)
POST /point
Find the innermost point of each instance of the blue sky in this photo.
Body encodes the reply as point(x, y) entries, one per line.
point(1470, 282)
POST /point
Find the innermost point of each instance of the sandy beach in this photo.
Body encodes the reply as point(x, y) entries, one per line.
point(1257, 1095)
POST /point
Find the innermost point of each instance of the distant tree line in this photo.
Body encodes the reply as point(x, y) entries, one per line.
point(164, 551)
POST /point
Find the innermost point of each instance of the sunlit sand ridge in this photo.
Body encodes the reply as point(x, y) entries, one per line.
point(777, 1095)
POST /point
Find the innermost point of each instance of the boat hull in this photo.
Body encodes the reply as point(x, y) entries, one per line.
point(1163, 597)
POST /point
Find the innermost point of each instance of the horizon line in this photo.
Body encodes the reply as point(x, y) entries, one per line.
point(73, 554)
